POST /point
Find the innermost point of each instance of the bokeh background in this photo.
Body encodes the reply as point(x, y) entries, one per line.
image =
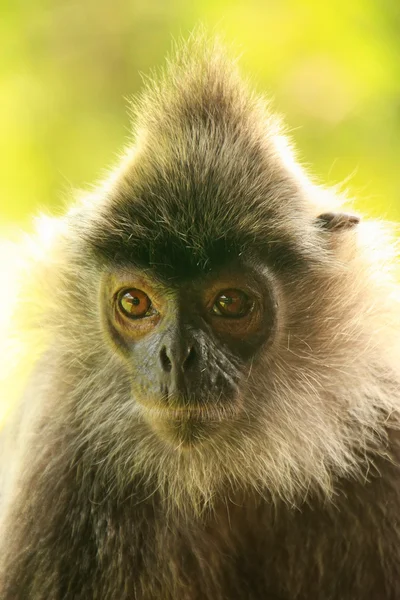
point(67, 69)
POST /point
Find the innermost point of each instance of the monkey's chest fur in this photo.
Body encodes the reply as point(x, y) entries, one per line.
point(253, 552)
point(245, 550)
point(65, 545)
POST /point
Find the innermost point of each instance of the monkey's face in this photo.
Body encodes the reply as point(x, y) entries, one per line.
point(188, 344)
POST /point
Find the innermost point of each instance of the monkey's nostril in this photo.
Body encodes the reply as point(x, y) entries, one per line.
point(189, 360)
point(165, 360)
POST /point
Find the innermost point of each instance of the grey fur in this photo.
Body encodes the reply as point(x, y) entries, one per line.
point(300, 498)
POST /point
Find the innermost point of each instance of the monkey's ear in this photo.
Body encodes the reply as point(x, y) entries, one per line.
point(336, 221)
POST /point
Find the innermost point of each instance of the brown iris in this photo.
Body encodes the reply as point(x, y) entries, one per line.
point(232, 304)
point(134, 303)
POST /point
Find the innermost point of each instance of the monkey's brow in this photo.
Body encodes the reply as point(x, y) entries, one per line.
point(172, 264)
point(134, 239)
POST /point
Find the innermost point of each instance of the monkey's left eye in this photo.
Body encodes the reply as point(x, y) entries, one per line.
point(134, 303)
point(233, 304)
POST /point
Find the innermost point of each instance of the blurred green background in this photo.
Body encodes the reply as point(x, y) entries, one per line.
point(67, 69)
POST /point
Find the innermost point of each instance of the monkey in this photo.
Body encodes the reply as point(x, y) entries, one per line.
point(212, 405)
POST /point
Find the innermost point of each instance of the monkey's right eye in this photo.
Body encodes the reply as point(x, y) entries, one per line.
point(134, 303)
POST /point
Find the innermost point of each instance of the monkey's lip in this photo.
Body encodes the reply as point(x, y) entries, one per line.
point(203, 413)
point(186, 427)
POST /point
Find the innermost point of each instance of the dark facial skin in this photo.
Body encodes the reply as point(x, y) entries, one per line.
point(188, 343)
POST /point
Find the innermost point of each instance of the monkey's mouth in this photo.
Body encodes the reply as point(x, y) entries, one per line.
point(193, 414)
point(185, 409)
point(188, 425)
point(184, 429)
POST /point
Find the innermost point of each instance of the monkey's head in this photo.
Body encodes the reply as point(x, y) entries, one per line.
point(221, 318)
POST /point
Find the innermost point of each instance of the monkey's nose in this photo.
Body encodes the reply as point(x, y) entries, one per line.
point(165, 361)
point(179, 360)
point(189, 359)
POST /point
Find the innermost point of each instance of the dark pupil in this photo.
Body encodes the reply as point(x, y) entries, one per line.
point(234, 305)
point(229, 302)
point(135, 300)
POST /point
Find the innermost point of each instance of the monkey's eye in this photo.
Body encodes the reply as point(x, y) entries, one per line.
point(233, 304)
point(134, 303)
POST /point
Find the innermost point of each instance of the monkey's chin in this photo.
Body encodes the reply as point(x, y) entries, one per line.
point(184, 433)
point(184, 428)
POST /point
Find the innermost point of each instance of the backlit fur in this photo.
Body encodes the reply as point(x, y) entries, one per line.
point(209, 162)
